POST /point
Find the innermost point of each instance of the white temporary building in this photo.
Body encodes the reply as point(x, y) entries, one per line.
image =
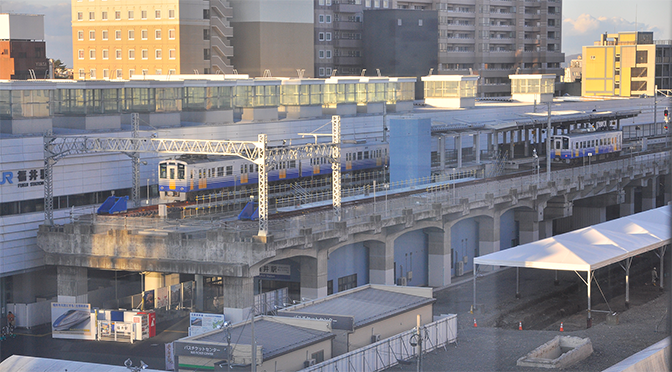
point(591, 248)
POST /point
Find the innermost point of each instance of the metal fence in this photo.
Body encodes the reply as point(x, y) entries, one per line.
point(394, 350)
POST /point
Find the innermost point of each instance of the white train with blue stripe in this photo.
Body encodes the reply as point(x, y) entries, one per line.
point(581, 144)
point(184, 177)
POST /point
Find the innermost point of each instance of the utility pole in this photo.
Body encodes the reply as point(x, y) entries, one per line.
point(548, 145)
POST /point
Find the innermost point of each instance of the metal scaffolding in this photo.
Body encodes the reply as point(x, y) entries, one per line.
point(58, 147)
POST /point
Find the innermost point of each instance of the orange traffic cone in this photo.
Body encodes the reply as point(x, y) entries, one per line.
point(475, 325)
point(562, 327)
point(520, 326)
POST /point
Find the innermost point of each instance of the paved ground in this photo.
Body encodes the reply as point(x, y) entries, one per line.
point(496, 344)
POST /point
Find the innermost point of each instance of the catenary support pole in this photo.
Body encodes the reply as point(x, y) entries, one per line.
point(662, 267)
point(549, 129)
point(473, 306)
point(628, 263)
point(517, 282)
point(589, 320)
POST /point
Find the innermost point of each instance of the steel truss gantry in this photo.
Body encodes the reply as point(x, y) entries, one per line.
point(58, 147)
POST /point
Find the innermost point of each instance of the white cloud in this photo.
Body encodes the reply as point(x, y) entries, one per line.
point(586, 29)
point(57, 29)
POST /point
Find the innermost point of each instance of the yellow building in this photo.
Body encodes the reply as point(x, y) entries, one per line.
point(114, 39)
point(621, 64)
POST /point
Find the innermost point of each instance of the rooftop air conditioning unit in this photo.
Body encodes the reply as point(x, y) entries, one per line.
point(308, 363)
point(460, 268)
point(375, 338)
point(402, 281)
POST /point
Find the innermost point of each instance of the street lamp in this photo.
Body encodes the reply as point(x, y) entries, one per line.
point(536, 163)
point(387, 186)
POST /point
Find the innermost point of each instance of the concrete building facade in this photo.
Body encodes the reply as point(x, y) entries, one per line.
point(621, 64)
point(22, 47)
point(120, 39)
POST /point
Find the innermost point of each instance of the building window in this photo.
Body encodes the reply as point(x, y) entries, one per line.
point(92, 35)
point(206, 54)
point(642, 56)
point(158, 71)
point(171, 53)
point(143, 34)
point(106, 54)
point(131, 54)
point(117, 15)
point(143, 14)
point(92, 16)
point(157, 34)
point(157, 54)
point(92, 54)
point(157, 14)
point(119, 75)
point(130, 14)
point(206, 34)
point(131, 34)
point(171, 13)
point(321, 2)
point(171, 34)
point(92, 73)
point(321, 71)
point(80, 54)
point(320, 36)
point(145, 71)
point(328, 2)
point(347, 282)
point(131, 72)
point(82, 74)
point(172, 72)
point(104, 34)
point(104, 16)
point(321, 18)
point(206, 13)
point(80, 16)
point(80, 35)
point(106, 74)
point(328, 36)
point(117, 35)
point(328, 18)
point(117, 54)
point(328, 71)
point(320, 54)
point(328, 54)
point(145, 54)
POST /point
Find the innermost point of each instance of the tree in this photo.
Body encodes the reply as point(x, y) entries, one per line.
point(61, 70)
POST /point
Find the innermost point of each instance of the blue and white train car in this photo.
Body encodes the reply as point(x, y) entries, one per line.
point(185, 176)
point(573, 146)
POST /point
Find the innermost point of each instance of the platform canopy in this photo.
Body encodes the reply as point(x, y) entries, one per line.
point(590, 248)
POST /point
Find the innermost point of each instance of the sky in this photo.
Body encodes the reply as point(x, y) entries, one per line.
point(583, 21)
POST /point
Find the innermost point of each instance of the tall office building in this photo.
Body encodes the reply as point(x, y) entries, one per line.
point(117, 39)
point(22, 47)
point(621, 64)
point(491, 38)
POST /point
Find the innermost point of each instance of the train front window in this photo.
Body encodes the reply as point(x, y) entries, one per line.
point(172, 173)
point(180, 171)
point(163, 171)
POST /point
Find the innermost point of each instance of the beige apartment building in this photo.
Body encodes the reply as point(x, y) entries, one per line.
point(115, 39)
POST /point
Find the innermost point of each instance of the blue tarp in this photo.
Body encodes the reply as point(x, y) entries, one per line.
point(114, 204)
point(249, 212)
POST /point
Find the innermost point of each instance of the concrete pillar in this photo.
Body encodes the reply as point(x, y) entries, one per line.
point(237, 297)
point(314, 276)
point(528, 226)
point(512, 144)
point(584, 216)
point(439, 260)
point(488, 234)
point(526, 141)
point(545, 229)
point(491, 137)
point(628, 206)
point(381, 262)
point(458, 148)
point(198, 299)
point(477, 147)
point(153, 281)
point(649, 194)
point(72, 284)
point(442, 151)
point(667, 189)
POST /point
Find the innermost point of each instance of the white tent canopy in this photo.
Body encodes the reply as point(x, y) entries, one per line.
point(590, 248)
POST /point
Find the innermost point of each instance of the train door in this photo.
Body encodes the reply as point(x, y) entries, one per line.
point(557, 145)
point(172, 172)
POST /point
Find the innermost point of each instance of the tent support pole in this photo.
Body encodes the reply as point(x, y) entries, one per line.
point(556, 281)
point(662, 267)
point(589, 321)
point(473, 306)
point(517, 282)
point(628, 262)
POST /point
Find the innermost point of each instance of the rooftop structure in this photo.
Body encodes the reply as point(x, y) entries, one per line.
point(22, 47)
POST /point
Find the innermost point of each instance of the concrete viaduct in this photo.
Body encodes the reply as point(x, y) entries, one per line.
point(576, 196)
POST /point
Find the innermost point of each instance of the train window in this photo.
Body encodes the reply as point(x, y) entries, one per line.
point(242, 169)
point(366, 154)
point(180, 171)
point(220, 171)
point(213, 172)
point(172, 173)
point(200, 173)
point(209, 173)
point(229, 170)
point(163, 170)
point(565, 143)
point(359, 155)
point(292, 163)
